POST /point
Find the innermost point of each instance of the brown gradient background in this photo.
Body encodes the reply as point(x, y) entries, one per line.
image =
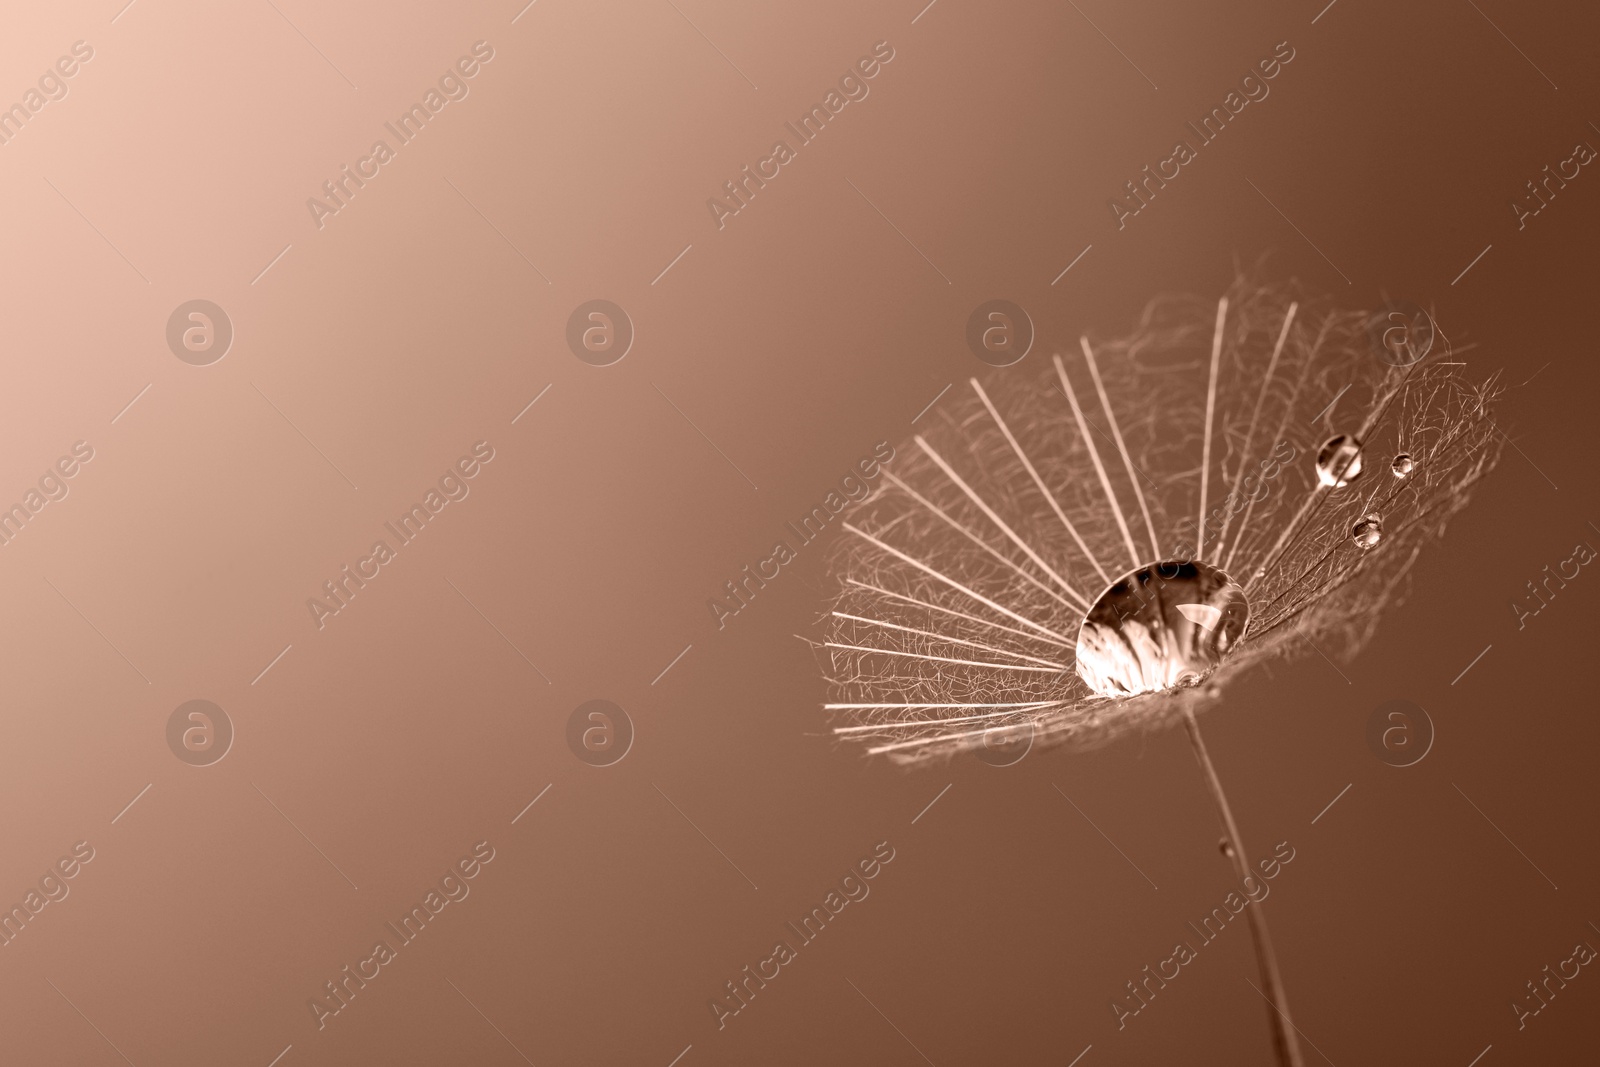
point(797, 337)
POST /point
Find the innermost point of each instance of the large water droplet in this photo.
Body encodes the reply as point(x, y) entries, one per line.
point(1403, 465)
point(1339, 460)
point(1163, 626)
point(1367, 532)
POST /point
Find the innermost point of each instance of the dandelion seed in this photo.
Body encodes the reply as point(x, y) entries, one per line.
point(1260, 529)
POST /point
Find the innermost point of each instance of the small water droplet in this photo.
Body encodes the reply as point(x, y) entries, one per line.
point(1225, 847)
point(1339, 460)
point(1403, 465)
point(1367, 532)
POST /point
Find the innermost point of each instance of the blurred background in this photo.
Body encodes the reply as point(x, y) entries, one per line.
point(347, 360)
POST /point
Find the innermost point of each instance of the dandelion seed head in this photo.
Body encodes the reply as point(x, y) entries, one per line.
point(1079, 546)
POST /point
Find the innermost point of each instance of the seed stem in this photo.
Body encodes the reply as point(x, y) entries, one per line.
point(1283, 1036)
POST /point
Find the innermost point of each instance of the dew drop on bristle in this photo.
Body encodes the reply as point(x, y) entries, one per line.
point(1225, 847)
point(1403, 465)
point(1339, 460)
point(1367, 532)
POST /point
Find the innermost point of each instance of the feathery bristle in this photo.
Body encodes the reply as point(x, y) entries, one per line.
point(965, 576)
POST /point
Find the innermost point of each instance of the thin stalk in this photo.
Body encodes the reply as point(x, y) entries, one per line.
point(1283, 1034)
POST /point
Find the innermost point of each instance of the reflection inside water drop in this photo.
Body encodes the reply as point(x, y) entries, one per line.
point(1367, 532)
point(1162, 626)
point(1403, 465)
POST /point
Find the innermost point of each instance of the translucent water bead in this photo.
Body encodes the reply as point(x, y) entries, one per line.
point(1339, 460)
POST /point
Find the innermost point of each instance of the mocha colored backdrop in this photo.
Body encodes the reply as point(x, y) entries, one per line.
point(377, 339)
